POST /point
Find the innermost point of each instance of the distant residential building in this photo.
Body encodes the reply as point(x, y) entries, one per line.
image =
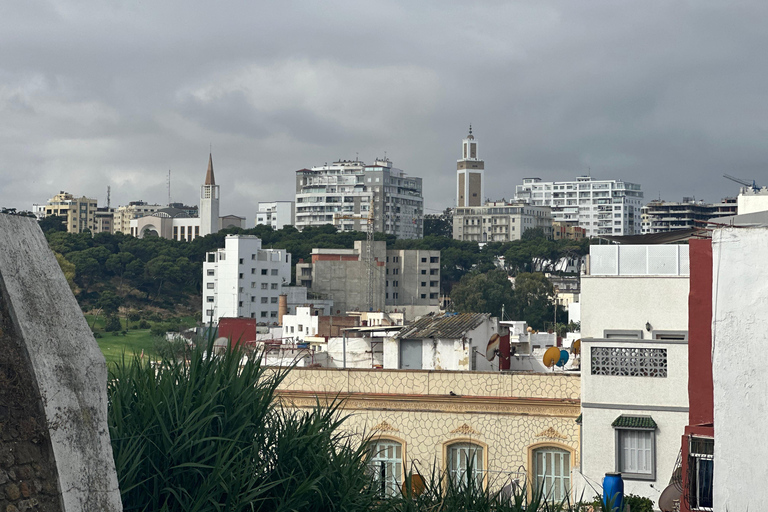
point(602, 207)
point(80, 212)
point(133, 210)
point(500, 221)
point(180, 224)
point(104, 220)
point(567, 231)
point(470, 170)
point(244, 280)
point(634, 365)
point(752, 200)
point(342, 194)
point(665, 216)
point(403, 280)
point(276, 214)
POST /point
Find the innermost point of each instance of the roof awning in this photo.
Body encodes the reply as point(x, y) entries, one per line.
point(634, 422)
point(668, 237)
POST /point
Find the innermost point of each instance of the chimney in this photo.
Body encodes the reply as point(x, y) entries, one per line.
point(282, 308)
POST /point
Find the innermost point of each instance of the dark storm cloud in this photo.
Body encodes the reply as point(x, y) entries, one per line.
point(94, 94)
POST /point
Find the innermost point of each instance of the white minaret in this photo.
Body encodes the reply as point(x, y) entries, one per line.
point(209, 202)
point(470, 182)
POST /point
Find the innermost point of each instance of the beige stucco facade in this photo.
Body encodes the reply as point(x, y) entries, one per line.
point(507, 414)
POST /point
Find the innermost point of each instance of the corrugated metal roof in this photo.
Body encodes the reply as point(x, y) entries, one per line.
point(639, 422)
point(445, 326)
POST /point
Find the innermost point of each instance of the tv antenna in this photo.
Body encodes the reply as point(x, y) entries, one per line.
point(168, 181)
point(108, 193)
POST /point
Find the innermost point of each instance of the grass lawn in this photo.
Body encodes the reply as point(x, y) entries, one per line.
point(133, 342)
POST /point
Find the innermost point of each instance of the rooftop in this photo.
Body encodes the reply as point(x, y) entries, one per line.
point(449, 325)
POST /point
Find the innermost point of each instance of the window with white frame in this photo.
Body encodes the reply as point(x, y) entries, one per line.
point(635, 447)
point(701, 465)
point(386, 466)
point(465, 462)
point(552, 473)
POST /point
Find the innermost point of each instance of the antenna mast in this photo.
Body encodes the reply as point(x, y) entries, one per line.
point(108, 193)
point(169, 188)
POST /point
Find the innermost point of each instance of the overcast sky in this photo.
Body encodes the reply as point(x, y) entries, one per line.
point(667, 94)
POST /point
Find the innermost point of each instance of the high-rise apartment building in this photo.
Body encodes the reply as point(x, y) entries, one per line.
point(276, 214)
point(665, 216)
point(602, 207)
point(80, 212)
point(244, 280)
point(499, 221)
point(342, 194)
point(470, 170)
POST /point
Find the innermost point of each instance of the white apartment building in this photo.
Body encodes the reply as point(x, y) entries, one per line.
point(133, 210)
point(634, 365)
point(499, 221)
point(276, 214)
point(665, 216)
point(244, 280)
point(342, 194)
point(602, 207)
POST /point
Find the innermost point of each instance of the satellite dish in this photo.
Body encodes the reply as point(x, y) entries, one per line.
point(530, 329)
point(493, 347)
point(222, 342)
point(668, 498)
point(551, 357)
point(576, 347)
point(563, 358)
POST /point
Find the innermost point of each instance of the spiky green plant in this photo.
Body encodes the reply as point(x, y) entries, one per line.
point(206, 433)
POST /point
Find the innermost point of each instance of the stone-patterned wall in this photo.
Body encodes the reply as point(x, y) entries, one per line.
point(27, 473)
point(507, 413)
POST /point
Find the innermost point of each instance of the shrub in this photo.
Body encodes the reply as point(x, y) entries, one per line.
point(638, 503)
point(205, 433)
point(112, 324)
point(144, 325)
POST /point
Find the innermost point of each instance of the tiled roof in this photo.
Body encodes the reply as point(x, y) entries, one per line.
point(640, 422)
point(445, 326)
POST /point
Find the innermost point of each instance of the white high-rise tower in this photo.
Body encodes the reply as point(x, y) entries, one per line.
point(209, 202)
point(470, 182)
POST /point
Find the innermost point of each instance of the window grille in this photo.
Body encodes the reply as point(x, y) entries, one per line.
point(629, 362)
point(698, 489)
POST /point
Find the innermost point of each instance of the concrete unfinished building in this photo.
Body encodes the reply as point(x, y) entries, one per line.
point(407, 280)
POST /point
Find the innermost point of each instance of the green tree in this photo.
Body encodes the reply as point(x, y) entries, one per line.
point(534, 299)
point(439, 224)
point(53, 223)
point(483, 293)
point(109, 303)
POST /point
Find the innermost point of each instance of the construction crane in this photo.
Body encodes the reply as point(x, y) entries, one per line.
point(746, 183)
point(370, 264)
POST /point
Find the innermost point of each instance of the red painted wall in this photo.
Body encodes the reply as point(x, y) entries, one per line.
point(700, 388)
point(238, 330)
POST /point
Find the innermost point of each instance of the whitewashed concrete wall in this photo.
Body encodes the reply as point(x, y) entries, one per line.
point(628, 303)
point(739, 341)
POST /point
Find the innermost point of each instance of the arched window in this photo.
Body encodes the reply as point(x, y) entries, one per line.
point(386, 465)
point(465, 461)
point(552, 472)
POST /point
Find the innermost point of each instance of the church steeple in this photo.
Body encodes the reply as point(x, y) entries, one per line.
point(209, 202)
point(209, 178)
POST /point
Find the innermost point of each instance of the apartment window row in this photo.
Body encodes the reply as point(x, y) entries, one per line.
point(467, 462)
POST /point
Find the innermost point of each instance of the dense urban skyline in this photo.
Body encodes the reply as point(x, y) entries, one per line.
point(668, 95)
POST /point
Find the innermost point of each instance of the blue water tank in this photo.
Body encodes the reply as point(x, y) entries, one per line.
point(613, 489)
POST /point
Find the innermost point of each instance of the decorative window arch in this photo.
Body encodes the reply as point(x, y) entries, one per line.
point(549, 469)
point(387, 464)
point(466, 459)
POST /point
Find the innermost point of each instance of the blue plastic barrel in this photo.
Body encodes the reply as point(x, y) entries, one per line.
point(613, 489)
